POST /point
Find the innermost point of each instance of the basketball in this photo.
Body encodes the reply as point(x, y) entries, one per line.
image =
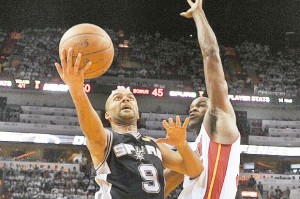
point(93, 43)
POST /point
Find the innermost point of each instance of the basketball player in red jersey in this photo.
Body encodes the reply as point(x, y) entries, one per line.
point(218, 141)
point(129, 165)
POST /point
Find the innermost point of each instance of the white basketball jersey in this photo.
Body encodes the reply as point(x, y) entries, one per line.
point(219, 178)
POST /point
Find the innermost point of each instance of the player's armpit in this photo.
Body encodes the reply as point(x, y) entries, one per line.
point(221, 126)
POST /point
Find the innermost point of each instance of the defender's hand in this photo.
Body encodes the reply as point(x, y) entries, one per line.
point(176, 134)
point(197, 5)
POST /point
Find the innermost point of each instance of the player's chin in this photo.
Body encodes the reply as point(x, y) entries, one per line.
point(193, 126)
point(128, 115)
point(194, 121)
point(196, 116)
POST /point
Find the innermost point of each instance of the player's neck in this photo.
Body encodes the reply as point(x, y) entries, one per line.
point(197, 130)
point(125, 129)
point(195, 127)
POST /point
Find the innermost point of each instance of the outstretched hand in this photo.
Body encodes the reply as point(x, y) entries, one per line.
point(71, 74)
point(197, 5)
point(176, 134)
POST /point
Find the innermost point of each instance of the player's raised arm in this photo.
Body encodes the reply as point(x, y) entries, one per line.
point(214, 75)
point(89, 120)
point(220, 109)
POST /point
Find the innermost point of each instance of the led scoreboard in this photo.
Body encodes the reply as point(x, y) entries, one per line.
point(156, 92)
point(91, 87)
point(38, 85)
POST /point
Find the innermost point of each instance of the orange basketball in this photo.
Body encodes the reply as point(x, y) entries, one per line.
point(93, 43)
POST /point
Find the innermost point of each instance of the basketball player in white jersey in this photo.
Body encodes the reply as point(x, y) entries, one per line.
point(129, 165)
point(218, 141)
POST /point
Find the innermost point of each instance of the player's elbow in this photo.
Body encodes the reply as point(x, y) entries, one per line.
point(196, 171)
point(212, 52)
point(217, 87)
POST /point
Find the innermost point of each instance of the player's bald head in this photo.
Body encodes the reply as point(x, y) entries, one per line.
point(200, 99)
point(120, 89)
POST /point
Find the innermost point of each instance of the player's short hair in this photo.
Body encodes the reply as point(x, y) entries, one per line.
point(119, 87)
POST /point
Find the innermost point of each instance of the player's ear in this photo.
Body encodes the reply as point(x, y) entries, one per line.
point(107, 116)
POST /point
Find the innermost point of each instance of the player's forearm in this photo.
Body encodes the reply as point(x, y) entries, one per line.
point(88, 118)
point(206, 36)
point(214, 73)
point(173, 179)
point(192, 165)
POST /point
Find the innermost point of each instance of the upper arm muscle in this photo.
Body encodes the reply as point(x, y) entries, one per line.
point(97, 148)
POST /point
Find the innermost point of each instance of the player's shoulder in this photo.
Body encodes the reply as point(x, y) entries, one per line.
point(148, 139)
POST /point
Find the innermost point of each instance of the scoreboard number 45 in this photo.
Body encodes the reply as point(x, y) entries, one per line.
point(156, 92)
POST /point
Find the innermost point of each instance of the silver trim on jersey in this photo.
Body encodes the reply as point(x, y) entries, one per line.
point(108, 149)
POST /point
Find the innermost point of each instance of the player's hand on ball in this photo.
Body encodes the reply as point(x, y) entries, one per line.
point(176, 134)
point(69, 73)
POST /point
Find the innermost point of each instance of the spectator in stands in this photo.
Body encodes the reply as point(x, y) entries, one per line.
point(278, 193)
point(252, 182)
point(287, 192)
point(260, 188)
point(272, 195)
point(91, 188)
point(122, 113)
